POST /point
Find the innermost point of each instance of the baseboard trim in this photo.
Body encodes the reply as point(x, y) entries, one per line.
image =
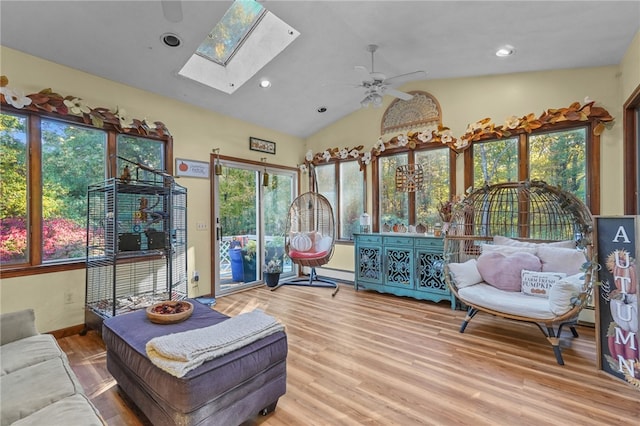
point(66, 332)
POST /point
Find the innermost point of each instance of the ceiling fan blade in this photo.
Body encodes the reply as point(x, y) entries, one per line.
point(172, 10)
point(405, 78)
point(398, 94)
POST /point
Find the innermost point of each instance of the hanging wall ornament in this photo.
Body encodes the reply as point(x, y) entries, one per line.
point(409, 178)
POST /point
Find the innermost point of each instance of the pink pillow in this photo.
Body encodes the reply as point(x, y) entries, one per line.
point(504, 271)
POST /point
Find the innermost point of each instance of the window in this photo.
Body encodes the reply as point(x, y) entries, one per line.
point(413, 208)
point(343, 184)
point(235, 49)
point(394, 205)
point(47, 165)
point(227, 36)
point(495, 161)
point(558, 157)
point(142, 151)
point(13, 189)
point(73, 157)
point(351, 198)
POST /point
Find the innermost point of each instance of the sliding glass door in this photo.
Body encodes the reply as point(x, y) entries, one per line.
point(250, 212)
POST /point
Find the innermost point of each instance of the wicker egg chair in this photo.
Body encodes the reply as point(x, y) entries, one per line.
point(528, 213)
point(310, 238)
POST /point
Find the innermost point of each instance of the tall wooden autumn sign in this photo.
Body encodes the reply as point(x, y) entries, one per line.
point(617, 318)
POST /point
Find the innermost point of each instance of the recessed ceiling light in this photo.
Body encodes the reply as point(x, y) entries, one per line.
point(322, 109)
point(506, 50)
point(171, 40)
point(264, 83)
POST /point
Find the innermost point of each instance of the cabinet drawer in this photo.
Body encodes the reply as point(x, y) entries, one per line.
point(375, 239)
point(437, 243)
point(398, 241)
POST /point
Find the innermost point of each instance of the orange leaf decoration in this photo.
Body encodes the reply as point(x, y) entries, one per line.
point(47, 107)
point(573, 116)
point(598, 129)
point(38, 98)
point(62, 109)
point(4, 81)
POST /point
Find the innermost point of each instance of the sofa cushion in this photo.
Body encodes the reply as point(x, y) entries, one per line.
point(505, 241)
point(492, 248)
point(507, 302)
point(17, 325)
point(563, 294)
point(555, 259)
point(504, 271)
point(76, 410)
point(30, 351)
point(538, 284)
point(32, 388)
point(465, 274)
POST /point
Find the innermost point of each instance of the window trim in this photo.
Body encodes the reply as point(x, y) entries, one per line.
point(34, 264)
point(312, 184)
point(592, 158)
point(631, 127)
point(410, 160)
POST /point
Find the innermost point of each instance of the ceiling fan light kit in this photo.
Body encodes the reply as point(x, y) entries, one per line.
point(377, 85)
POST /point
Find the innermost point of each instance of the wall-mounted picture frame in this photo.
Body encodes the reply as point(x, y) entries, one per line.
point(190, 168)
point(261, 145)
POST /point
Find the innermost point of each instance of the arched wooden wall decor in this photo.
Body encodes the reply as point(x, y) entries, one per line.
point(420, 113)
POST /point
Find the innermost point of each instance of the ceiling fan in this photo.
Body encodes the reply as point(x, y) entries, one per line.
point(377, 84)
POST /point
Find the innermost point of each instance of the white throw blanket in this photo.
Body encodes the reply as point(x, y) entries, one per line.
point(179, 353)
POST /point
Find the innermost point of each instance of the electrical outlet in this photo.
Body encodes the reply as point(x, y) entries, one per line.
point(201, 226)
point(68, 297)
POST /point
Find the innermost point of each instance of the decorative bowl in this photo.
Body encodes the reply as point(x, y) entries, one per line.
point(169, 311)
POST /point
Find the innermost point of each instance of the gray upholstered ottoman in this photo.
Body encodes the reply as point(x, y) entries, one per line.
point(224, 391)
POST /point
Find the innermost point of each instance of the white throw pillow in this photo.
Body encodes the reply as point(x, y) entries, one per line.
point(539, 283)
point(323, 244)
point(563, 291)
point(505, 241)
point(465, 274)
point(507, 250)
point(555, 259)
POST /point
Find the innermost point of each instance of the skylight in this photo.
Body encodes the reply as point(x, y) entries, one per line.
point(246, 39)
point(228, 34)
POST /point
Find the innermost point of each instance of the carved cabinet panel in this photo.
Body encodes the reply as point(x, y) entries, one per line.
point(404, 265)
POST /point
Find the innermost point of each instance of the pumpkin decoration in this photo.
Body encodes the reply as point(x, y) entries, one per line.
point(628, 350)
point(621, 265)
point(301, 242)
point(624, 311)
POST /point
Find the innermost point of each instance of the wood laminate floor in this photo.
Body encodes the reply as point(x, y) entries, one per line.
point(364, 358)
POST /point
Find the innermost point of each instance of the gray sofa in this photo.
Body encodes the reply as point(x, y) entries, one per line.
point(37, 385)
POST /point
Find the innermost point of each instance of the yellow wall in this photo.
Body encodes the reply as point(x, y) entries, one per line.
point(630, 68)
point(197, 131)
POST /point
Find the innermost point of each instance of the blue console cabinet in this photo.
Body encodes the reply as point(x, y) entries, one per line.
point(402, 264)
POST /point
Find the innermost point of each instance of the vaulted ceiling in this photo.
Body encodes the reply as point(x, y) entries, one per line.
point(121, 41)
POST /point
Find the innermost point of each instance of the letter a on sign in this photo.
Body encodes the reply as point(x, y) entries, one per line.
point(621, 234)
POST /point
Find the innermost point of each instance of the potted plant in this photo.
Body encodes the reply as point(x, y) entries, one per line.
point(272, 271)
point(274, 249)
point(249, 261)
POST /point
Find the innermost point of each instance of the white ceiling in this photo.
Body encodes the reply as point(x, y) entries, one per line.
point(121, 41)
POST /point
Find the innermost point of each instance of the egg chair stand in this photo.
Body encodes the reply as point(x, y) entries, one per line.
point(310, 239)
point(313, 281)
